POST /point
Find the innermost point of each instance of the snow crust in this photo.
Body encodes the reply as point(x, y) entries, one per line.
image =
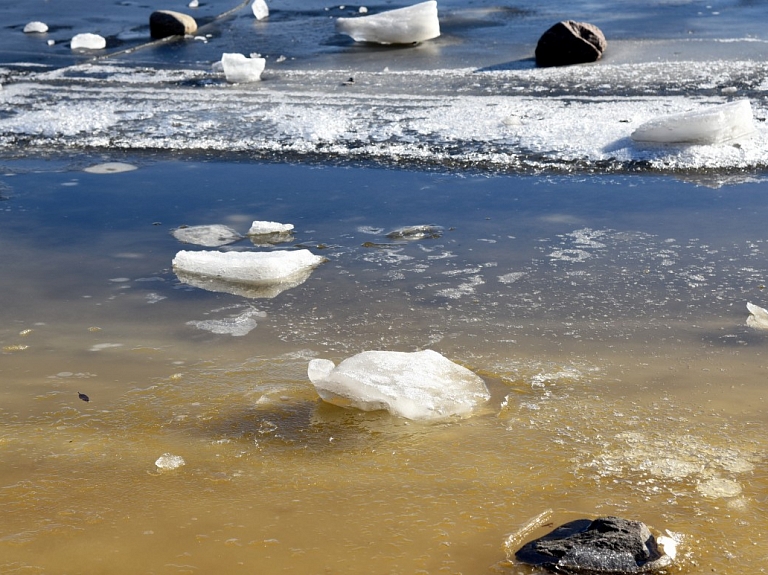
point(408, 25)
point(421, 385)
point(88, 41)
point(240, 69)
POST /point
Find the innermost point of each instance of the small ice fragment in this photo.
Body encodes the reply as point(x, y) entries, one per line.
point(36, 28)
point(362, 10)
point(88, 41)
point(420, 385)
point(211, 236)
point(51, 42)
point(416, 232)
point(168, 461)
point(758, 318)
point(667, 545)
point(408, 25)
point(260, 9)
point(239, 69)
point(258, 228)
point(110, 168)
point(194, 4)
point(237, 326)
point(100, 346)
point(713, 125)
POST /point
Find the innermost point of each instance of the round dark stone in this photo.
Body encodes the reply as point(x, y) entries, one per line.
point(570, 42)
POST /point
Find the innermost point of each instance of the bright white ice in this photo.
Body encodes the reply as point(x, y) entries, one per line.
point(211, 236)
point(260, 9)
point(758, 317)
point(168, 461)
point(421, 385)
point(240, 70)
point(408, 25)
point(88, 41)
point(36, 28)
point(259, 228)
point(713, 125)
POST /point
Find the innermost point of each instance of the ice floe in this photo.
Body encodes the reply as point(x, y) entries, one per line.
point(36, 28)
point(168, 461)
point(239, 69)
point(260, 9)
point(250, 274)
point(408, 25)
point(712, 125)
point(259, 228)
point(110, 168)
point(421, 385)
point(88, 41)
point(758, 317)
point(211, 236)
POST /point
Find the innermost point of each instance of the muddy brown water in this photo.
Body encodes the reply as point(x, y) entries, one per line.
point(606, 314)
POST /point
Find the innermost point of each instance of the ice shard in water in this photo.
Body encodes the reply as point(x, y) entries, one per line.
point(240, 70)
point(249, 274)
point(408, 25)
point(758, 316)
point(421, 385)
point(713, 125)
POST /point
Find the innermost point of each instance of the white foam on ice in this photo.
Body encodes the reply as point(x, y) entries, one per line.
point(407, 25)
point(758, 316)
point(88, 41)
point(422, 385)
point(211, 236)
point(239, 69)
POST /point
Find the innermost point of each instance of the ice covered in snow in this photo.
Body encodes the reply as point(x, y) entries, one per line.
point(211, 236)
point(250, 274)
point(167, 461)
point(240, 69)
point(259, 228)
point(712, 125)
point(758, 317)
point(420, 385)
point(260, 9)
point(88, 41)
point(36, 28)
point(408, 25)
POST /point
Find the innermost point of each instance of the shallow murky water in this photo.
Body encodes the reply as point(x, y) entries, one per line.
point(606, 313)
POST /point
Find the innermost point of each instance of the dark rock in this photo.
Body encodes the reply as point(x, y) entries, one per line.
point(609, 545)
point(164, 23)
point(570, 42)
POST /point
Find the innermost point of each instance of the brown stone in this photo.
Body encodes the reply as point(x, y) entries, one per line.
point(164, 23)
point(570, 42)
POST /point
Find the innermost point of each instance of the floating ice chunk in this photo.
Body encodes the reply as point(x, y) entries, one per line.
point(258, 228)
point(36, 28)
point(758, 318)
point(110, 168)
point(260, 9)
point(238, 69)
point(194, 4)
point(419, 232)
point(419, 385)
point(401, 26)
point(209, 236)
point(250, 274)
point(237, 326)
point(168, 461)
point(88, 41)
point(713, 125)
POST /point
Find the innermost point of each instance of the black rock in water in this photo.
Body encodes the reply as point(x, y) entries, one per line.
point(608, 545)
point(570, 42)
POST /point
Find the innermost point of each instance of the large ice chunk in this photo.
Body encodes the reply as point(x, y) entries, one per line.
point(420, 385)
point(758, 317)
point(36, 28)
point(238, 69)
point(250, 274)
point(88, 41)
point(260, 9)
point(713, 125)
point(401, 26)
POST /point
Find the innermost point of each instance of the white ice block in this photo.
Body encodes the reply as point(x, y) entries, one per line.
point(260, 9)
point(36, 28)
point(758, 317)
point(259, 228)
point(239, 69)
point(88, 41)
point(713, 125)
point(421, 385)
point(408, 25)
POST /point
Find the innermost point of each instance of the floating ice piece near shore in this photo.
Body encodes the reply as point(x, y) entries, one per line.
point(110, 168)
point(167, 461)
point(713, 125)
point(36, 28)
point(250, 274)
point(239, 69)
point(237, 326)
point(758, 317)
point(408, 25)
point(258, 228)
point(260, 9)
point(420, 385)
point(416, 232)
point(209, 236)
point(88, 41)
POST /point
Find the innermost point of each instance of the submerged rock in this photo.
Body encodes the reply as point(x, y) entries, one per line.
point(238, 69)
point(165, 23)
point(713, 125)
point(570, 42)
point(608, 545)
point(408, 25)
point(758, 316)
point(421, 385)
point(211, 236)
point(88, 41)
point(250, 274)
